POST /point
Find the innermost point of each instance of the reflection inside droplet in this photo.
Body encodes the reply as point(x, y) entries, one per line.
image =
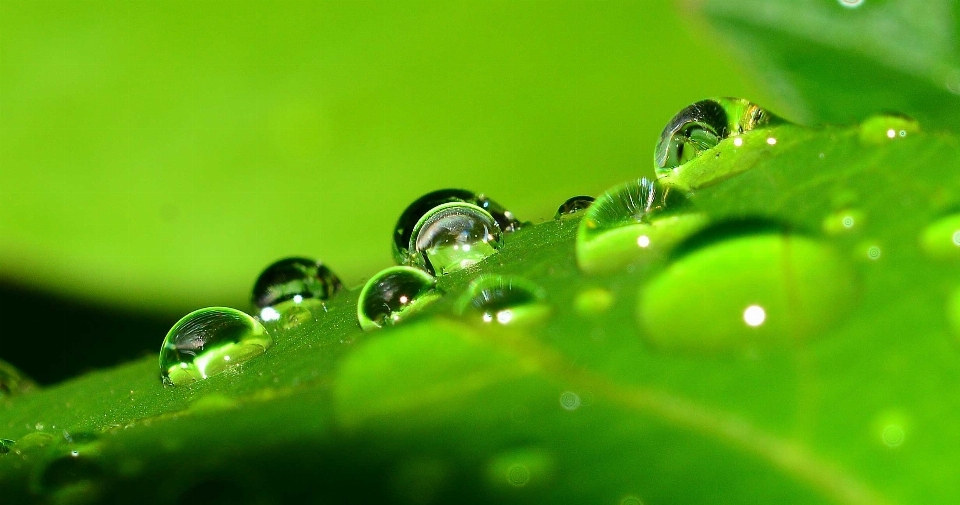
point(754, 315)
point(772, 141)
point(643, 241)
point(738, 141)
point(269, 314)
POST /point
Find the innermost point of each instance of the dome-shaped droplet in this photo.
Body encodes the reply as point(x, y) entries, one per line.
point(504, 300)
point(746, 290)
point(12, 381)
point(393, 295)
point(454, 236)
point(573, 205)
point(941, 239)
point(884, 128)
point(403, 231)
point(292, 280)
point(702, 126)
point(628, 223)
point(208, 341)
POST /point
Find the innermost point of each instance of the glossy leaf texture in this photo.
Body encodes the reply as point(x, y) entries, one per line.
point(838, 61)
point(597, 402)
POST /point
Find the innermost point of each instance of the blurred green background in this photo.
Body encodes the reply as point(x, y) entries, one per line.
point(155, 156)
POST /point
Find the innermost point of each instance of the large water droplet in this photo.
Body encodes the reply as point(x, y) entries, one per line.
point(884, 128)
point(941, 239)
point(393, 295)
point(454, 236)
point(13, 381)
point(748, 290)
point(504, 300)
point(415, 211)
point(702, 126)
point(573, 205)
point(208, 341)
point(291, 281)
point(628, 224)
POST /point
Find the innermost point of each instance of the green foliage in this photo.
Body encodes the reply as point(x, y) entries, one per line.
point(830, 64)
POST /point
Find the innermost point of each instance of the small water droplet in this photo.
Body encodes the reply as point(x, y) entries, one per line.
point(941, 239)
point(6, 445)
point(569, 400)
point(883, 128)
point(454, 236)
point(208, 341)
point(504, 300)
point(573, 205)
point(403, 231)
point(13, 381)
point(291, 281)
point(873, 252)
point(703, 125)
point(842, 222)
point(295, 316)
point(593, 302)
point(630, 223)
point(521, 468)
point(744, 290)
point(395, 294)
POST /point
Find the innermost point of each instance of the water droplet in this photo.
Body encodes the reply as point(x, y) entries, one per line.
point(573, 205)
point(504, 300)
point(393, 295)
point(629, 224)
point(737, 292)
point(454, 236)
point(843, 222)
point(705, 124)
point(208, 341)
point(403, 231)
point(593, 302)
point(873, 252)
point(291, 281)
point(13, 381)
point(569, 400)
point(883, 128)
point(521, 468)
point(6, 445)
point(941, 240)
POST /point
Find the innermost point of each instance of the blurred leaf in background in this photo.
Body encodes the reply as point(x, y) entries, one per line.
point(157, 155)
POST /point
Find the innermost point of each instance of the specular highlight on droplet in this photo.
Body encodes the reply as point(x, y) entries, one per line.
point(208, 341)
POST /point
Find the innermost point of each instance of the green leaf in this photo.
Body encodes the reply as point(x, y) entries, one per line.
point(590, 405)
point(826, 63)
point(161, 158)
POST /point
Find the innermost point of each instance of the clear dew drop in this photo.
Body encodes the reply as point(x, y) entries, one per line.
point(573, 206)
point(393, 295)
point(13, 382)
point(290, 282)
point(745, 291)
point(454, 236)
point(504, 300)
point(941, 239)
point(633, 222)
point(703, 125)
point(884, 128)
point(208, 341)
point(403, 231)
